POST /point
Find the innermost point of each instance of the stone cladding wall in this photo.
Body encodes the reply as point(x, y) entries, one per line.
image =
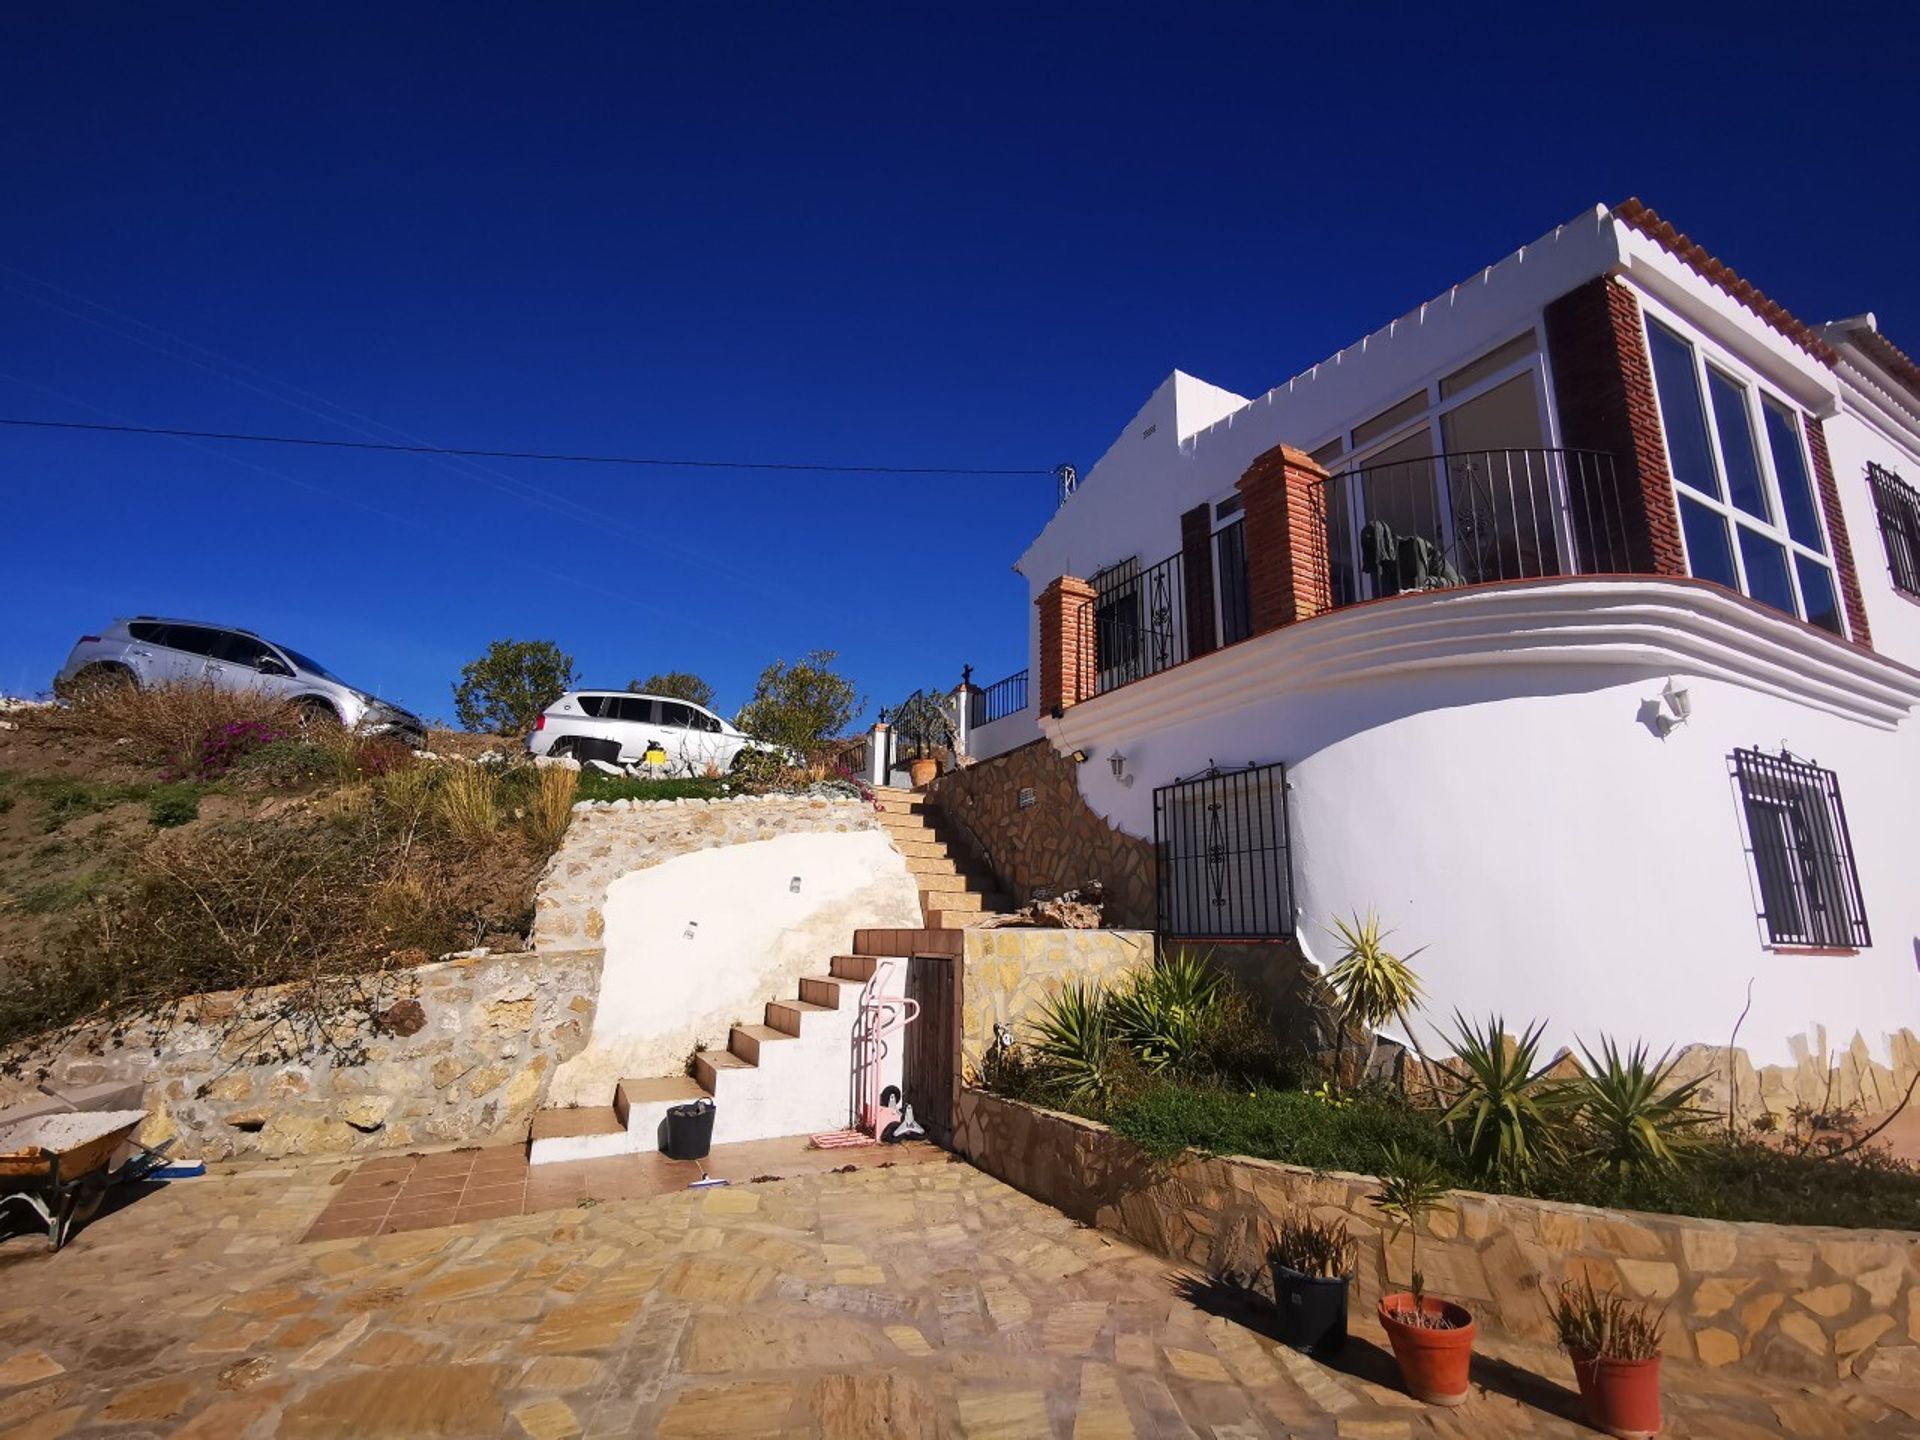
point(457, 1051)
point(611, 838)
point(1012, 971)
point(1057, 843)
point(1813, 1303)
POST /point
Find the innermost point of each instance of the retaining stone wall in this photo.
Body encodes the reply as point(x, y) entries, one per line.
point(1057, 843)
point(461, 1050)
point(1802, 1301)
point(611, 838)
point(1011, 971)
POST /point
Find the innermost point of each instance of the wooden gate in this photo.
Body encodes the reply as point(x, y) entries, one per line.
point(932, 1060)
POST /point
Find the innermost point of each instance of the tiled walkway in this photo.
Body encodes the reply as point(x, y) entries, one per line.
point(917, 1300)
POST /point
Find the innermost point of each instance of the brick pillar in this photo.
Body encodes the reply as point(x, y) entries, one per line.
point(1603, 394)
point(1066, 643)
point(1829, 491)
point(1287, 576)
point(1196, 568)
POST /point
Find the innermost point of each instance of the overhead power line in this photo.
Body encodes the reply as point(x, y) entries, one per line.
point(450, 450)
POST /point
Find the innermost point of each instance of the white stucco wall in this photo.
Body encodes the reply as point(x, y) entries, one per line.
point(703, 941)
point(1009, 732)
point(1496, 797)
point(1893, 617)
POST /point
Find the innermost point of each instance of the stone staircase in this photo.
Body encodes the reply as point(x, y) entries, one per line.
point(791, 1074)
point(953, 894)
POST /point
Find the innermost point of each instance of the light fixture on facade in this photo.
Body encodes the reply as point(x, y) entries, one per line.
point(1669, 712)
point(1119, 764)
point(1678, 701)
point(1079, 757)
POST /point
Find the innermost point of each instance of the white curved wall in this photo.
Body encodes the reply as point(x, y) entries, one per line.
point(1510, 811)
point(701, 942)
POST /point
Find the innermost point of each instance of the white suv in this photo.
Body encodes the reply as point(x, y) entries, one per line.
point(623, 728)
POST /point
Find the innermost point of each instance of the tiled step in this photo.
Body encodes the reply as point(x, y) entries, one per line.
point(710, 1065)
point(830, 992)
point(858, 968)
point(588, 1133)
point(630, 1095)
point(790, 1015)
point(747, 1041)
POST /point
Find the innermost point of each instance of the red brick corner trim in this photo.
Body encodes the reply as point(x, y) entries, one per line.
point(1823, 477)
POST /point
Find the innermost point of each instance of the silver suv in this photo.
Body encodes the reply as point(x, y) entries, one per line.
point(620, 727)
point(147, 650)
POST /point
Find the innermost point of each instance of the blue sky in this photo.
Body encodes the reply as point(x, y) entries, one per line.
point(868, 235)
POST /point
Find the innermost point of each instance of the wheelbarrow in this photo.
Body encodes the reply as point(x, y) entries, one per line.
point(60, 1166)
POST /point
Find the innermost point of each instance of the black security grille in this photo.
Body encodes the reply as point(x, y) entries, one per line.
point(1898, 505)
point(1802, 854)
point(1224, 857)
point(1137, 623)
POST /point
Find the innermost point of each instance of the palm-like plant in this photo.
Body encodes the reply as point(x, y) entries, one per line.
point(1631, 1114)
point(1503, 1108)
point(1074, 1040)
point(1165, 1014)
point(1371, 983)
point(1411, 1188)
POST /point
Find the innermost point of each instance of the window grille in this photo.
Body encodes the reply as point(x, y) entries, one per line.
point(1224, 855)
point(1898, 506)
point(1802, 853)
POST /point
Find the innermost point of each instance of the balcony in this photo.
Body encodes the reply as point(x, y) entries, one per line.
point(1472, 518)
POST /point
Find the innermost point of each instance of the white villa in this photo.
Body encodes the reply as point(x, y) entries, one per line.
point(1570, 621)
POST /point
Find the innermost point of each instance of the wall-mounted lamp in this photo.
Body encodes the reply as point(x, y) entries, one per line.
point(1079, 757)
point(1669, 712)
point(1678, 701)
point(1119, 764)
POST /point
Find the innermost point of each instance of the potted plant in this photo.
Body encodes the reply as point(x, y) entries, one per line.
point(1432, 1338)
point(922, 721)
point(1614, 1343)
point(1312, 1263)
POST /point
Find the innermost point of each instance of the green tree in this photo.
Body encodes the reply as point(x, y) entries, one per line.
point(504, 691)
point(801, 705)
point(681, 684)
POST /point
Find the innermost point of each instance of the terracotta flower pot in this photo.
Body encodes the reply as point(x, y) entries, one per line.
point(924, 772)
point(1433, 1363)
point(1622, 1396)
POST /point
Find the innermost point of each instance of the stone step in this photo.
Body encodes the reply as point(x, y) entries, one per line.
point(709, 1065)
point(746, 1041)
point(894, 795)
point(586, 1133)
point(826, 991)
point(963, 901)
point(629, 1095)
point(916, 847)
point(952, 884)
point(918, 827)
point(789, 1015)
point(960, 919)
point(940, 864)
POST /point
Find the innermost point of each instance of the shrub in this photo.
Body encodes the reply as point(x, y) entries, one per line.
point(1291, 1126)
point(173, 805)
point(1628, 1112)
point(67, 799)
point(468, 803)
point(1074, 1045)
point(289, 763)
point(597, 785)
point(680, 684)
point(1500, 1100)
point(800, 706)
point(551, 805)
point(1167, 1011)
point(170, 725)
point(504, 691)
point(224, 745)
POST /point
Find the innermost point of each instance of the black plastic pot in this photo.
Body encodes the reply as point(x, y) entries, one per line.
point(1313, 1311)
point(690, 1131)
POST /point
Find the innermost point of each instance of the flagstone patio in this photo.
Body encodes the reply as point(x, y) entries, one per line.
point(916, 1300)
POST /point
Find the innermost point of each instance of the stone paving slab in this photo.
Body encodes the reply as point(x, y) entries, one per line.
point(919, 1300)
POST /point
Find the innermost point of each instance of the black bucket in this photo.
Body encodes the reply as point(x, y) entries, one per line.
point(1313, 1311)
point(690, 1130)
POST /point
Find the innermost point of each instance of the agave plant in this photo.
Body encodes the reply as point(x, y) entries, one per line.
point(1073, 1041)
point(1631, 1114)
point(1165, 1014)
point(1503, 1109)
point(1411, 1188)
point(1604, 1323)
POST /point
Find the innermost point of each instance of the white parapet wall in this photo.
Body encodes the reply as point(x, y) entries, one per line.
point(706, 913)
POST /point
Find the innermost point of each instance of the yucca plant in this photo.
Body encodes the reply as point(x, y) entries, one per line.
point(1165, 1013)
point(1073, 1041)
point(1605, 1324)
point(1503, 1110)
point(1411, 1189)
point(1631, 1115)
point(1371, 984)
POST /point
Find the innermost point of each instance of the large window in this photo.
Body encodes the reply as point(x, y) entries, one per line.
point(1809, 889)
point(1745, 491)
point(1898, 506)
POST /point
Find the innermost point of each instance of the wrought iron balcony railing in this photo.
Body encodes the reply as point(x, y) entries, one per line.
point(986, 704)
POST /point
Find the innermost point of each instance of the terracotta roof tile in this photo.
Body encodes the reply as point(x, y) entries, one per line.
point(1648, 222)
point(1888, 356)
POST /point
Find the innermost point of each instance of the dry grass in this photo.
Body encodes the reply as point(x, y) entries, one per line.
point(168, 724)
point(468, 803)
point(551, 805)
